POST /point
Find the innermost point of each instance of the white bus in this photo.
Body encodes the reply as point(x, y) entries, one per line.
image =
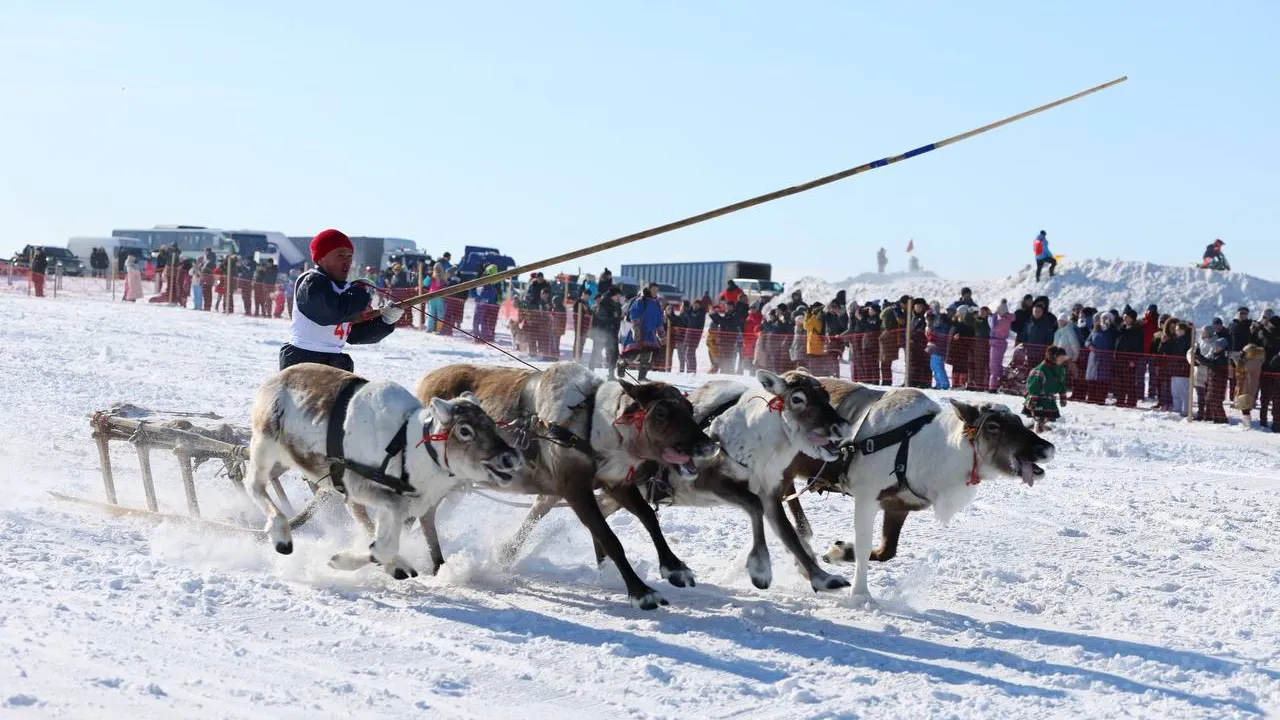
point(263, 244)
point(192, 240)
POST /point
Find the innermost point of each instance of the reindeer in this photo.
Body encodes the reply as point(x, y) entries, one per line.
point(326, 421)
point(579, 432)
point(939, 457)
point(760, 431)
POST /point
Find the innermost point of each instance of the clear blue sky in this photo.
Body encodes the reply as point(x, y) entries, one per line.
point(539, 127)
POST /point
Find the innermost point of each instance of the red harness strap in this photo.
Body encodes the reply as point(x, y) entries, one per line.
point(776, 403)
point(635, 419)
point(442, 436)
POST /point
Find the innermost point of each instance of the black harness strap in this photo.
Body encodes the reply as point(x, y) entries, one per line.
point(900, 436)
point(716, 412)
point(338, 463)
point(431, 451)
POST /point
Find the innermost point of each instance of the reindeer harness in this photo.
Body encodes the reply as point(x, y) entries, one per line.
point(399, 444)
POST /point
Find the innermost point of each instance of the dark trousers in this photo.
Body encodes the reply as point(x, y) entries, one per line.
point(604, 341)
point(1051, 262)
point(290, 355)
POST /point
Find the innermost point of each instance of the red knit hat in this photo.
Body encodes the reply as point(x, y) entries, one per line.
point(326, 241)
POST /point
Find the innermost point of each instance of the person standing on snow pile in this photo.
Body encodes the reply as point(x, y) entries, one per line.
point(327, 309)
point(1043, 255)
point(1047, 387)
point(1213, 258)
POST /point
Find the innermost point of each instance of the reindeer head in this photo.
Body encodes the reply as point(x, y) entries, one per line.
point(806, 411)
point(665, 428)
point(472, 448)
point(1003, 442)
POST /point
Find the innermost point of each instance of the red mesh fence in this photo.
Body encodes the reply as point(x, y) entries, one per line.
point(1128, 380)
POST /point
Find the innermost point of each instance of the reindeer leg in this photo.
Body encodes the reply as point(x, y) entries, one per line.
point(843, 552)
point(255, 485)
point(428, 524)
point(865, 508)
point(759, 567)
point(388, 524)
point(889, 533)
point(360, 514)
point(819, 579)
point(578, 493)
point(803, 528)
point(673, 569)
point(541, 506)
point(608, 506)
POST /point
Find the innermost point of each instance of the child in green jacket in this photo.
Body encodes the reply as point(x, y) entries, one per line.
point(1046, 387)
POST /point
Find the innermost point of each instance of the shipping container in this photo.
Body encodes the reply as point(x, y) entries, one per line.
point(696, 279)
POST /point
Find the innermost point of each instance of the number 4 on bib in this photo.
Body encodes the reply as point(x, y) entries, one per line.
point(341, 330)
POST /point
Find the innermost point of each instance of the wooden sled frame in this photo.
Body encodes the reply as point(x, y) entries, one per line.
point(190, 449)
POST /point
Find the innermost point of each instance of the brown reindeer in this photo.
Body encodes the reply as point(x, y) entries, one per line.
point(579, 433)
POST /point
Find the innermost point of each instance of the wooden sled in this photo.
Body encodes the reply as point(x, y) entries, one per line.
point(191, 445)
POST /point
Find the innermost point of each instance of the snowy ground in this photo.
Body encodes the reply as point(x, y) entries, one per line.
point(1138, 579)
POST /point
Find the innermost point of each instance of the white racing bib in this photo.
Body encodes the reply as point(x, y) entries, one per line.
point(306, 334)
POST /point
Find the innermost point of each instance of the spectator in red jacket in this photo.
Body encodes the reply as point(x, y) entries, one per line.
point(731, 294)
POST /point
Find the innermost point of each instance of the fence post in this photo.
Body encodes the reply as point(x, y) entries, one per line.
point(422, 313)
point(1191, 381)
point(227, 285)
point(668, 348)
point(906, 363)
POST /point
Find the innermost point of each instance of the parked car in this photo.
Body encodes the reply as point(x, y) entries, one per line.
point(71, 265)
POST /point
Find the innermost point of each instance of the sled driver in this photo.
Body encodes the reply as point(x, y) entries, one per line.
point(327, 308)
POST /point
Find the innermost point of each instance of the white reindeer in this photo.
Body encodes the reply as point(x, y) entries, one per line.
point(950, 450)
point(392, 454)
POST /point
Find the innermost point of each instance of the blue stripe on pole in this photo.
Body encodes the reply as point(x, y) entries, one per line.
point(879, 163)
point(919, 151)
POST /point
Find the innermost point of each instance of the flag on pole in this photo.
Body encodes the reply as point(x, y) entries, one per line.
point(911, 245)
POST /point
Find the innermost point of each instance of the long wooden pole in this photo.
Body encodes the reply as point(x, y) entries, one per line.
point(743, 205)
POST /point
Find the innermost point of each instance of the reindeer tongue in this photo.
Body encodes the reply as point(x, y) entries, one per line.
point(1028, 473)
point(675, 457)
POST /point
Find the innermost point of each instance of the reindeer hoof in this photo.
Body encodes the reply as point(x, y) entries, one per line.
point(680, 577)
point(284, 547)
point(648, 601)
point(828, 582)
point(840, 552)
point(400, 569)
point(760, 571)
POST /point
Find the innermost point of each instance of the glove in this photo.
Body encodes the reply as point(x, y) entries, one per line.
point(392, 314)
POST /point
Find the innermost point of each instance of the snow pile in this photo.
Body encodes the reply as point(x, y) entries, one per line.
point(1194, 294)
